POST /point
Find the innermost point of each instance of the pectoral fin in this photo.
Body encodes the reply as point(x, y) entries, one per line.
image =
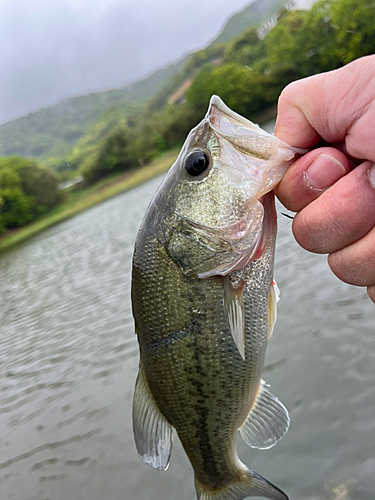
point(267, 421)
point(234, 312)
point(152, 431)
point(273, 299)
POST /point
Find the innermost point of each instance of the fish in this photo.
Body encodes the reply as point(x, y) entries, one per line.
point(204, 306)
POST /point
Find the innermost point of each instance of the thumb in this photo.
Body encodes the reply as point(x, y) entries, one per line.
point(338, 106)
point(310, 176)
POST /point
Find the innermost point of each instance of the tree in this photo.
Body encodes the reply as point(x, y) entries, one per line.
point(41, 186)
point(245, 50)
point(14, 204)
point(354, 24)
point(111, 156)
point(241, 89)
point(26, 191)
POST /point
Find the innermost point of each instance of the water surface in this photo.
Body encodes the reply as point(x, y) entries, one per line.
point(68, 362)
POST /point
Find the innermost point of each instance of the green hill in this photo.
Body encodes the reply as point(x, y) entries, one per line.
point(254, 14)
point(51, 133)
point(248, 73)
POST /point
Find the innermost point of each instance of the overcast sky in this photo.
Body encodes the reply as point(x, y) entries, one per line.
point(53, 49)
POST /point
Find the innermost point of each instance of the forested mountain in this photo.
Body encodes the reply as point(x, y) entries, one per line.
point(51, 132)
point(248, 73)
point(254, 14)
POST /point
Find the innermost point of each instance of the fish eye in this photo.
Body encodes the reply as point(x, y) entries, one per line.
point(196, 163)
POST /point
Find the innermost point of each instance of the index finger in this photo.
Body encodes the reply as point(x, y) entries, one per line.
point(335, 106)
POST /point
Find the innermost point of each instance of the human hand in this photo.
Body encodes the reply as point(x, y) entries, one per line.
point(333, 187)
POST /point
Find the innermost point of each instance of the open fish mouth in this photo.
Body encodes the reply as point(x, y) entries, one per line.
point(246, 135)
point(254, 161)
point(247, 152)
point(225, 214)
point(242, 133)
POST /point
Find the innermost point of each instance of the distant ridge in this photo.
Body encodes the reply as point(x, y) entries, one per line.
point(50, 133)
point(255, 13)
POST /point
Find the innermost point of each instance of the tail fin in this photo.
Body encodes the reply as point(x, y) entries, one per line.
point(252, 485)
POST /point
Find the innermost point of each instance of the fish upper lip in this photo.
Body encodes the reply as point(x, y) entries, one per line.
point(216, 102)
point(240, 132)
point(252, 130)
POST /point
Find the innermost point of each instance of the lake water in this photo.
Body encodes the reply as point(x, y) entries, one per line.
point(68, 362)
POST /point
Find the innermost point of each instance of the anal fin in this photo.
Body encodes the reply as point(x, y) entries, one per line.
point(152, 431)
point(267, 421)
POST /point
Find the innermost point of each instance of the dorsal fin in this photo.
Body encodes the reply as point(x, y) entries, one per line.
point(267, 422)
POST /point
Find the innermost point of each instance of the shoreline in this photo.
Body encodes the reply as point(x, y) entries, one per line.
point(103, 190)
point(93, 195)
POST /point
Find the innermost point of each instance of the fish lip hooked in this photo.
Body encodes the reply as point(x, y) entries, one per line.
point(251, 160)
point(214, 121)
point(248, 230)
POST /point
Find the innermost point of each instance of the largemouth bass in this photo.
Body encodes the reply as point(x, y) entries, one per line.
point(204, 304)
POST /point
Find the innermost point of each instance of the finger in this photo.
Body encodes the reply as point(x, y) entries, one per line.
point(294, 122)
point(310, 175)
point(355, 263)
point(341, 146)
point(335, 106)
point(371, 292)
point(341, 215)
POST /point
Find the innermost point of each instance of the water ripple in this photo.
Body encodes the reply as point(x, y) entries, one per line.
point(51, 446)
point(69, 356)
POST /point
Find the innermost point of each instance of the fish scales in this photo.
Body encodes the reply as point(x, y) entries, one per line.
point(190, 373)
point(194, 295)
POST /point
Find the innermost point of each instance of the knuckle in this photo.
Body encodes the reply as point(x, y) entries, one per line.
point(339, 267)
point(307, 234)
point(355, 264)
point(291, 93)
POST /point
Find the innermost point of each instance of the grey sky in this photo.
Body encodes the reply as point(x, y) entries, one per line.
point(52, 50)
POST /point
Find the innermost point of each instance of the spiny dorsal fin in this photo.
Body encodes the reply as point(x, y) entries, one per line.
point(234, 312)
point(267, 421)
point(152, 431)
